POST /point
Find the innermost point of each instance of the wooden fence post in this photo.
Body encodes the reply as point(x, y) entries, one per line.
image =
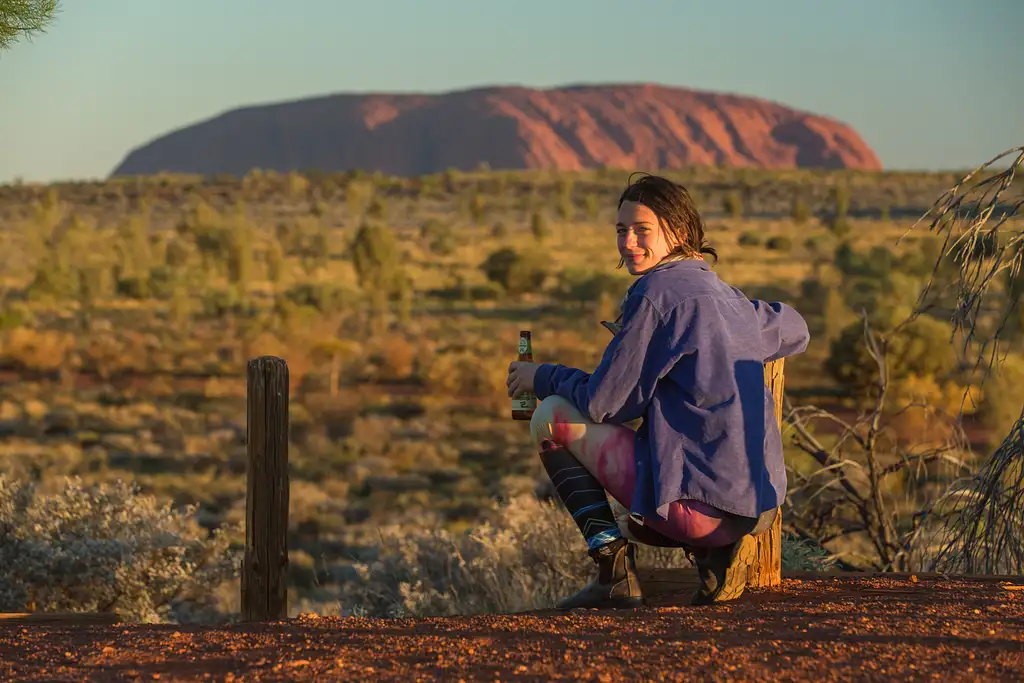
point(265, 564)
point(766, 572)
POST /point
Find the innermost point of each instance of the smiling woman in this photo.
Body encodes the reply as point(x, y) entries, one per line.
point(704, 471)
point(658, 221)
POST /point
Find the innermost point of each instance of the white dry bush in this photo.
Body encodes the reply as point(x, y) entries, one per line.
point(108, 548)
point(529, 557)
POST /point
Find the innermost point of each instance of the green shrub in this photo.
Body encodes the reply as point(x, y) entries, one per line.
point(749, 239)
point(1003, 402)
point(325, 297)
point(840, 201)
point(732, 204)
point(377, 259)
point(489, 291)
point(539, 227)
point(133, 287)
point(438, 237)
point(530, 556)
point(800, 212)
point(921, 349)
point(108, 548)
point(587, 286)
point(779, 243)
point(839, 226)
point(512, 271)
point(12, 318)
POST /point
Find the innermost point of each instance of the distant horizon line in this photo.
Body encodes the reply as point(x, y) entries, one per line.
point(110, 178)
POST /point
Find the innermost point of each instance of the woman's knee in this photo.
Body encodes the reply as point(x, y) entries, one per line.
point(547, 412)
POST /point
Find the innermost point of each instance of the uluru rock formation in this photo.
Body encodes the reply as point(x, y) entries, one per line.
point(640, 126)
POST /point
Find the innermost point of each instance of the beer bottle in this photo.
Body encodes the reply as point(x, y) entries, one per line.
point(524, 404)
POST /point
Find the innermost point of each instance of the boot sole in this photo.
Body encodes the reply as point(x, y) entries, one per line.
point(614, 603)
point(735, 582)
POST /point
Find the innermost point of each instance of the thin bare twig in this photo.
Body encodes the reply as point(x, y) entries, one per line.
point(977, 525)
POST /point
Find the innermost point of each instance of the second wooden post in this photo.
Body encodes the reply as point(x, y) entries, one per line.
point(766, 572)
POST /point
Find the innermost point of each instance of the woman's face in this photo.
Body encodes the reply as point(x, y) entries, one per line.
point(641, 241)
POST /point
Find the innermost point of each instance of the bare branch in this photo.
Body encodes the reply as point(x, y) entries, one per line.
point(964, 230)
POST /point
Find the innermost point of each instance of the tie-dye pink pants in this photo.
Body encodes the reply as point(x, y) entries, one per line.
point(606, 451)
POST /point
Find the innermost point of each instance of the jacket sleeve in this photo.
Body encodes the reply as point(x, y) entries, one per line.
point(623, 383)
point(783, 330)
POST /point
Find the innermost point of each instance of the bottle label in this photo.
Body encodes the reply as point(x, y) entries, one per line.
point(524, 346)
point(524, 402)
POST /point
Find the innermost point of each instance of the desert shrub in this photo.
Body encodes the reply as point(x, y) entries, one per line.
point(116, 352)
point(12, 318)
point(800, 212)
point(438, 237)
point(749, 239)
point(40, 350)
point(802, 555)
point(394, 357)
point(840, 201)
point(585, 286)
point(489, 291)
point(466, 373)
point(539, 227)
point(512, 271)
point(874, 282)
point(839, 226)
point(1003, 400)
point(224, 301)
point(779, 243)
point(162, 282)
point(732, 204)
point(377, 208)
point(108, 548)
point(377, 258)
point(325, 297)
point(919, 350)
point(133, 287)
point(530, 556)
point(477, 208)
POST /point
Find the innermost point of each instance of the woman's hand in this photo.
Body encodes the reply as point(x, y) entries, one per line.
point(520, 377)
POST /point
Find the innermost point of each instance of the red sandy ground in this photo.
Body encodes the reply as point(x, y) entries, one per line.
point(820, 629)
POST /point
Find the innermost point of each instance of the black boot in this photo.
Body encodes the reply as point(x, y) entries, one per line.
point(616, 585)
point(722, 571)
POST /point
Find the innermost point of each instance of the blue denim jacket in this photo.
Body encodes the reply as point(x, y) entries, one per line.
point(689, 359)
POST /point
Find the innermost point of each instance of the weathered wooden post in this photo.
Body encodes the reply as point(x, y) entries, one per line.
point(766, 572)
point(265, 564)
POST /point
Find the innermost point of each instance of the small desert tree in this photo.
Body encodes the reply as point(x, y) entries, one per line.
point(23, 19)
point(377, 260)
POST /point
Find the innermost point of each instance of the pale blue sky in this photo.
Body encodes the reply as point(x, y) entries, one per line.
point(928, 83)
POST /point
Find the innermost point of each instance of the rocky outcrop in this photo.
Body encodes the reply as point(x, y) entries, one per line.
point(641, 127)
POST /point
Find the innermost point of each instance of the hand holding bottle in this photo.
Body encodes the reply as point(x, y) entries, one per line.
point(520, 377)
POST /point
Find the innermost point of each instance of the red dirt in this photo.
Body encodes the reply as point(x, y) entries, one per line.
point(822, 629)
